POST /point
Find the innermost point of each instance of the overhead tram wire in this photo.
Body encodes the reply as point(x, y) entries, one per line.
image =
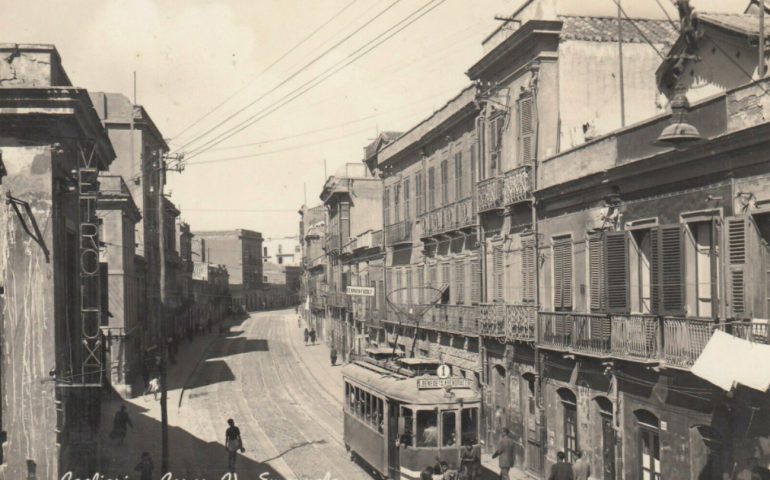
point(670, 20)
point(331, 71)
point(260, 74)
point(290, 77)
point(248, 121)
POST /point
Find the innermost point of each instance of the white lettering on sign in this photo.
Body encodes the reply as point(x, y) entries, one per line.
point(363, 291)
point(426, 383)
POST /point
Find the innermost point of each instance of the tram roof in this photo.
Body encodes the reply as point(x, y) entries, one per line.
point(403, 388)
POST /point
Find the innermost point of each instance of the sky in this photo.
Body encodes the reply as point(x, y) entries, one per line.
point(225, 82)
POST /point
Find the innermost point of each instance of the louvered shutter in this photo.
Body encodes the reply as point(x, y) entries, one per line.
point(432, 276)
point(655, 306)
point(459, 283)
point(420, 272)
point(616, 263)
point(526, 130)
point(497, 274)
point(409, 284)
point(562, 257)
point(386, 206)
point(744, 272)
point(528, 270)
point(671, 270)
point(475, 280)
point(596, 272)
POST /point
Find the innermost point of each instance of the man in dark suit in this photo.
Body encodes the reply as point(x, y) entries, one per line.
point(561, 470)
point(505, 453)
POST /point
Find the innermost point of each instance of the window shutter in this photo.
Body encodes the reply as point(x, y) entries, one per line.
point(596, 272)
point(655, 307)
point(458, 175)
point(616, 262)
point(459, 283)
point(475, 280)
point(497, 273)
point(526, 130)
point(562, 257)
point(528, 270)
point(420, 283)
point(418, 193)
point(397, 203)
point(671, 291)
point(431, 189)
point(408, 273)
point(432, 276)
point(744, 275)
point(407, 206)
point(386, 206)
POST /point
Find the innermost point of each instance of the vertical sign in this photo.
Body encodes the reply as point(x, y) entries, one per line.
point(90, 311)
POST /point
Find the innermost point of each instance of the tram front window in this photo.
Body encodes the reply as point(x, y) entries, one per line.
point(427, 428)
point(406, 434)
point(469, 422)
point(448, 429)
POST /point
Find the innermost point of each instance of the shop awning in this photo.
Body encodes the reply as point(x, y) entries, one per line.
point(728, 360)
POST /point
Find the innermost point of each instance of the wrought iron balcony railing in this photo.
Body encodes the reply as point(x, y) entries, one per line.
point(512, 322)
point(489, 194)
point(397, 233)
point(517, 185)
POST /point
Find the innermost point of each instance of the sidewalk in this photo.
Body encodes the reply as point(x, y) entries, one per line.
point(490, 469)
point(315, 358)
point(119, 460)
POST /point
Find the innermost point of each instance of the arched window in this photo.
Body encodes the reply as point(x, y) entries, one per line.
point(569, 408)
point(649, 444)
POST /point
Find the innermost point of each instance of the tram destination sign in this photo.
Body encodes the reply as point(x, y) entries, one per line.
point(360, 291)
point(427, 383)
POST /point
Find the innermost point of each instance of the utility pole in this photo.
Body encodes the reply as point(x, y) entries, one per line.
point(163, 344)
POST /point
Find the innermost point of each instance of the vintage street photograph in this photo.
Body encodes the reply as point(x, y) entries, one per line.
point(385, 239)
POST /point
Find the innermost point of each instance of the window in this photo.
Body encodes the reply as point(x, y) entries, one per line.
point(386, 206)
point(448, 429)
point(562, 274)
point(475, 281)
point(444, 182)
point(460, 282)
point(497, 274)
point(526, 130)
point(427, 428)
point(640, 270)
point(459, 175)
point(596, 272)
point(495, 144)
point(615, 271)
point(649, 444)
point(569, 406)
point(406, 199)
point(473, 165)
point(407, 438)
point(669, 247)
point(418, 193)
point(700, 254)
point(409, 285)
point(528, 269)
point(469, 423)
point(431, 189)
point(396, 203)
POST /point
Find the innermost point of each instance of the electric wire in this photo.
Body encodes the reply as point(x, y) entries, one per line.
point(292, 76)
point(641, 33)
point(298, 92)
point(275, 62)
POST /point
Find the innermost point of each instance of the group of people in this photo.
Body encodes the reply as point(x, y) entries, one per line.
point(310, 336)
point(470, 466)
point(561, 470)
point(145, 467)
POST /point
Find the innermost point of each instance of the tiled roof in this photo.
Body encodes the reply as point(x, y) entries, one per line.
point(605, 29)
point(746, 24)
point(385, 137)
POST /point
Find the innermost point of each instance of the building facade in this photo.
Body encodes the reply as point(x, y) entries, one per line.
point(240, 251)
point(53, 147)
point(312, 233)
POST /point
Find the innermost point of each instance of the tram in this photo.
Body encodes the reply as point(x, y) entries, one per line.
point(399, 420)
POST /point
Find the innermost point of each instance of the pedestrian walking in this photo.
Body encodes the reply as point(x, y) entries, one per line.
point(505, 453)
point(582, 468)
point(312, 336)
point(561, 470)
point(333, 356)
point(233, 444)
point(120, 425)
point(307, 335)
point(470, 460)
point(145, 467)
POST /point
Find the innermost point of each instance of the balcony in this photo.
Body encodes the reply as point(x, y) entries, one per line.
point(517, 185)
point(433, 223)
point(338, 299)
point(635, 337)
point(489, 194)
point(377, 239)
point(465, 215)
point(456, 216)
point(397, 233)
point(584, 333)
point(457, 319)
point(349, 247)
point(512, 322)
point(684, 340)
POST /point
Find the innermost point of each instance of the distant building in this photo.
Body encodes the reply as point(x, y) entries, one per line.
point(312, 231)
point(282, 251)
point(240, 251)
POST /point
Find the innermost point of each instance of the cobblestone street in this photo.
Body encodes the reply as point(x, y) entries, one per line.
point(283, 395)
